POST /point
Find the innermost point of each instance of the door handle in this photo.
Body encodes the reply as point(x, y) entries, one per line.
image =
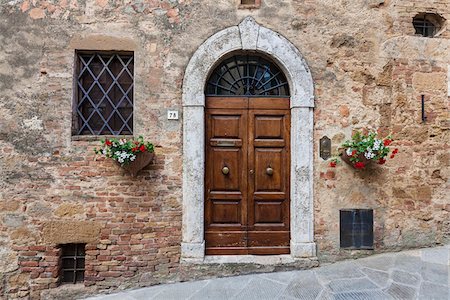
point(269, 171)
point(225, 170)
point(251, 172)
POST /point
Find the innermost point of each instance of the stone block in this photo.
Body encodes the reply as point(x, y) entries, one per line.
point(64, 232)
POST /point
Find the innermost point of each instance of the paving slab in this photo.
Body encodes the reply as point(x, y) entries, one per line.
point(419, 274)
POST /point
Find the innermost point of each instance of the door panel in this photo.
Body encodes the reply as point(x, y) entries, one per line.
point(247, 205)
point(226, 192)
point(268, 188)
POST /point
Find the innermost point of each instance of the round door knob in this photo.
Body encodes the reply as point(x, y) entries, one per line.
point(269, 171)
point(225, 170)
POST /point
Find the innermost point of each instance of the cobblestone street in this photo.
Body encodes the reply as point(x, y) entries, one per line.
point(416, 274)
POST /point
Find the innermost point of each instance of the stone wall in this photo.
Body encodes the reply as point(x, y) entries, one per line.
point(369, 71)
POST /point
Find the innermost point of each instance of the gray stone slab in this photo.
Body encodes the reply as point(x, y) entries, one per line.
point(399, 291)
point(280, 277)
point(436, 273)
point(382, 262)
point(180, 290)
point(304, 286)
point(117, 296)
point(380, 278)
point(338, 271)
point(148, 292)
point(345, 285)
point(223, 288)
point(408, 263)
point(405, 277)
point(433, 291)
point(259, 288)
point(440, 255)
point(363, 295)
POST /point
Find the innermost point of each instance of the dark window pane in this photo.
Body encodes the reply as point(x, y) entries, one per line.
point(68, 276)
point(105, 84)
point(69, 249)
point(80, 276)
point(68, 263)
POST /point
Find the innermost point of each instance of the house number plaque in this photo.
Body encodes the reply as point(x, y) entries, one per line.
point(325, 148)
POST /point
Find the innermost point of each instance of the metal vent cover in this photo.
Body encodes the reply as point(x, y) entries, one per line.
point(356, 228)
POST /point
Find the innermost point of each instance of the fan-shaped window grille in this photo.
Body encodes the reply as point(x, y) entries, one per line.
point(247, 75)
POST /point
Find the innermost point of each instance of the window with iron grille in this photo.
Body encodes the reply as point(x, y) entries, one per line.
point(72, 263)
point(427, 24)
point(356, 228)
point(104, 93)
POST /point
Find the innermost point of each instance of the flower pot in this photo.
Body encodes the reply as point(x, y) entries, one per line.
point(141, 161)
point(361, 158)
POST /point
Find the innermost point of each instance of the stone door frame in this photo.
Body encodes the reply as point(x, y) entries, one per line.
point(248, 35)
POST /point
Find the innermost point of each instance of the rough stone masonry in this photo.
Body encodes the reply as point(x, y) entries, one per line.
point(369, 70)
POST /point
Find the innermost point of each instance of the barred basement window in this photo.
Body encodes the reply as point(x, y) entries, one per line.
point(427, 24)
point(356, 228)
point(72, 263)
point(104, 93)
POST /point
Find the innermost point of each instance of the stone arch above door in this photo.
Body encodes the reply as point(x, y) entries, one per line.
point(248, 35)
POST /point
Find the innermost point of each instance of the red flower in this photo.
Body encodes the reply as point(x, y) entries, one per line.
point(134, 149)
point(387, 142)
point(395, 151)
point(393, 155)
point(108, 143)
point(360, 165)
point(142, 148)
point(381, 161)
point(354, 152)
point(333, 164)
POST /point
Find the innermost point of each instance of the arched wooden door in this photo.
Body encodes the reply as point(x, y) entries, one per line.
point(247, 158)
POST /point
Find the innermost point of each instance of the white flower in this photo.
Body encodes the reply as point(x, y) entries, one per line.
point(120, 160)
point(117, 153)
point(369, 155)
point(104, 151)
point(349, 151)
point(132, 157)
point(377, 145)
point(122, 141)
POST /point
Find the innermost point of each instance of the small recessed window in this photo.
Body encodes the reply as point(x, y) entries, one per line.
point(250, 3)
point(104, 93)
point(356, 228)
point(427, 25)
point(72, 263)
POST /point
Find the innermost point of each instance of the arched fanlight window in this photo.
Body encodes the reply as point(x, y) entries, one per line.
point(247, 75)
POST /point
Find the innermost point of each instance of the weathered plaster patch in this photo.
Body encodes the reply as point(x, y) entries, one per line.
point(33, 124)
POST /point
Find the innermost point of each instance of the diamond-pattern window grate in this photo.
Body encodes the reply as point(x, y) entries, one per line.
point(105, 84)
point(247, 75)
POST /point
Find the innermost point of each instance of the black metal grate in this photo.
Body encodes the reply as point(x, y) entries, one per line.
point(72, 263)
point(105, 84)
point(247, 75)
point(424, 26)
point(356, 226)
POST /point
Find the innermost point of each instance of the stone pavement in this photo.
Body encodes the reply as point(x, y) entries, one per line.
point(417, 274)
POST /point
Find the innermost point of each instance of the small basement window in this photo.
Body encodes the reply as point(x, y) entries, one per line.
point(428, 24)
point(250, 3)
point(72, 263)
point(356, 228)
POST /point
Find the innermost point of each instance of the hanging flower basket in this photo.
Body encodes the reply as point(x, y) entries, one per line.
point(142, 160)
point(132, 155)
point(363, 149)
point(360, 162)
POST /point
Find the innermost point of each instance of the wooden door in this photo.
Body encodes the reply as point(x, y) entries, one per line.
point(247, 176)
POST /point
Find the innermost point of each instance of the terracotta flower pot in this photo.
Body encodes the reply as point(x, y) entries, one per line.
point(141, 161)
point(361, 158)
